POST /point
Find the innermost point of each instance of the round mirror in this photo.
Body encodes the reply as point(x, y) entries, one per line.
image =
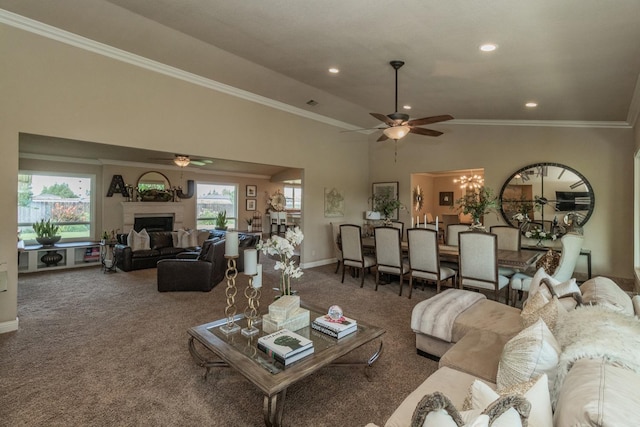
point(552, 196)
point(154, 187)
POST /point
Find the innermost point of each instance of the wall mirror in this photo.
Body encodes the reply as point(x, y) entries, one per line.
point(154, 187)
point(551, 195)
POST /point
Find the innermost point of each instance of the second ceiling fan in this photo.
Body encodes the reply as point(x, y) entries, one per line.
point(399, 124)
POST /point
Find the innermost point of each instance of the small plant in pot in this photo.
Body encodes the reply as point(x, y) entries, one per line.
point(249, 224)
point(221, 220)
point(46, 232)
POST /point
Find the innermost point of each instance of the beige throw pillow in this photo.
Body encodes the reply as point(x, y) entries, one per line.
point(139, 241)
point(531, 353)
point(604, 291)
point(539, 307)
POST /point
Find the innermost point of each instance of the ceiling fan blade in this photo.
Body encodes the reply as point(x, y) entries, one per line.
point(427, 132)
point(383, 118)
point(358, 130)
point(198, 162)
point(429, 120)
point(383, 137)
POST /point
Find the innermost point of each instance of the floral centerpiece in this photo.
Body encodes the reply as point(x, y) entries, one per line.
point(477, 204)
point(539, 234)
point(283, 247)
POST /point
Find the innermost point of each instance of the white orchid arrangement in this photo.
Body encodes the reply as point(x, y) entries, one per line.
point(284, 247)
point(540, 234)
point(519, 217)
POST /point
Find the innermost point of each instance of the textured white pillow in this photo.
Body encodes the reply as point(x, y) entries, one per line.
point(139, 241)
point(536, 392)
point(539, 307)
point(533, 352)
point(187, 238)
point(604, 291)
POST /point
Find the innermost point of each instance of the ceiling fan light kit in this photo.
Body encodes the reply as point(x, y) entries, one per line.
point(396, 132)
point(181, 161)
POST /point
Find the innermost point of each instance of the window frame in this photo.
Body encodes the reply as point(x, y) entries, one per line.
point(232, 221)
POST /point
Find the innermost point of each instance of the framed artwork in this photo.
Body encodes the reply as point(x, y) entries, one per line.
point(388, 190)
point(333, 202)
point(251, 191)
point(446, 198)
point(251, 204)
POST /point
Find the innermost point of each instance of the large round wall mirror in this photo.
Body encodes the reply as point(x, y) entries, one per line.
point(154, 187)
point(549, 195)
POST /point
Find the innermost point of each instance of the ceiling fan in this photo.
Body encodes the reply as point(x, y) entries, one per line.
point(399, 124)
point(183, 160)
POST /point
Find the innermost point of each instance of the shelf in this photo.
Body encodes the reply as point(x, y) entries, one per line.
point(73, 255)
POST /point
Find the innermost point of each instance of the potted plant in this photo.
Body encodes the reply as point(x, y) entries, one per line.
point(386, 205)
point(46, 232)
point(221, 220)
point(249, 224)
point(477, 204)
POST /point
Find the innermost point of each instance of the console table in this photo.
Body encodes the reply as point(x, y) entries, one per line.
point(74, 255)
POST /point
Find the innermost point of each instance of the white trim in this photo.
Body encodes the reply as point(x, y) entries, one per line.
point(634, 106)
point(62, 36)
point(318, 263)
point(10, 326)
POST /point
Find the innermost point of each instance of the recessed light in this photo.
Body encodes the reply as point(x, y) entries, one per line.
point(531, 104)
point(334, 70)
point(407, 107)
point(489, 47)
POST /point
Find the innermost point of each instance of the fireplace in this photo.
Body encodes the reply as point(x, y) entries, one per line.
point(153, 223)
point(153, 213)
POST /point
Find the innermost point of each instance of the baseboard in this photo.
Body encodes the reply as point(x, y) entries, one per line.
point(319, 263)
point(9, 326)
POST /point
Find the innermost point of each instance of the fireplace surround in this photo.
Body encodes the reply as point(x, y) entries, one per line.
point(151, 210)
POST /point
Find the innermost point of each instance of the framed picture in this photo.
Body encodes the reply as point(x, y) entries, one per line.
point(446, 198)
point(251, 204)
point(333, 202)
point(388, 190)
point(251, 191)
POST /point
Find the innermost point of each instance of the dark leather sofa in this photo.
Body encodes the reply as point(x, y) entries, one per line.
point(202, 273)
point(161, 243)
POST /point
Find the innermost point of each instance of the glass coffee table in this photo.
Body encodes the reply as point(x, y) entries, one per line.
point(272, 378)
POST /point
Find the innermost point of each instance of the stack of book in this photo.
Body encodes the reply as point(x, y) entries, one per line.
point(285, 346)
point(335, 328)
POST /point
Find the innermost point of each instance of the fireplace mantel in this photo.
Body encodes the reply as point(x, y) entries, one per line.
point(131, 210)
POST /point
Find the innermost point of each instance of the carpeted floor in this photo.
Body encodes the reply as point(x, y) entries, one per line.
point(108, 349)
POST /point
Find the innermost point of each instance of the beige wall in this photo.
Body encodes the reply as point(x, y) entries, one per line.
point(50, 88)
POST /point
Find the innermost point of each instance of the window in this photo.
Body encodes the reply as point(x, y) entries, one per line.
point(215, 198)
point(68, 200)
point(293, 196)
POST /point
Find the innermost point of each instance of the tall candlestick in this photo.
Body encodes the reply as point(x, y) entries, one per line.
point(231, 244)
point(411, 222)
point(425, 218)
point(250, 261)
point(436, 223)
point(418, 220)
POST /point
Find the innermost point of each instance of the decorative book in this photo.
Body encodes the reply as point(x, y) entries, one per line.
point(335, 328)
point(284, 344)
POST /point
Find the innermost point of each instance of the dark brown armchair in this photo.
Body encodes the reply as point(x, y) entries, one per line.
point(200, 274)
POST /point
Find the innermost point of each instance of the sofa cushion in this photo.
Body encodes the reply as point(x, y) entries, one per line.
point(139, 240)
point(535, 391)
point(454, 384)
point(147, 253)
point(487, 315)
point(604, 291)
point(597, 393)
point(636, 304)
point(531, 353)
point(161, 240)
point(477, 353)
point(539, 307)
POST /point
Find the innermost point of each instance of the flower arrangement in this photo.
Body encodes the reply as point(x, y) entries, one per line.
point(478, 203)
point(540, 234)
point(283, 247)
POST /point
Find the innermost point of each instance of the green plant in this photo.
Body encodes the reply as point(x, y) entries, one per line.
point(249, 221)
point(385, 204)
point(221, 220)
point(477, 203)
point(45, 228)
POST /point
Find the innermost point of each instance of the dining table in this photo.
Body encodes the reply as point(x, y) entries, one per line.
point(520, 260)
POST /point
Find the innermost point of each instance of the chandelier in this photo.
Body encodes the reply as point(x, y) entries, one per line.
point(471, 182)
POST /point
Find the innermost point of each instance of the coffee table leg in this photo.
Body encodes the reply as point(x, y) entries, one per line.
point(203, 361)
point(272, 409)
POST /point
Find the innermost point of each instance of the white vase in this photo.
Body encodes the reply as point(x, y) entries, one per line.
point(249, 228)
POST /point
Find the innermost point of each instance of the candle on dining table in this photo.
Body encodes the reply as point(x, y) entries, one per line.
point(436, 222)
point(231, 244)
point(418, 220)
point(257, 279)
point(411, 222)
point(425, 219)
point(250, 261)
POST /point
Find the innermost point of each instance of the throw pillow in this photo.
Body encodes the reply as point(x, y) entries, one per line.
point(604, 291)
point(139, 241)
point(549, 261)
point(187, 238)
point(436, 410)
point(533, 352)
point(636, 304)
point(539, 307)
point(536, 392)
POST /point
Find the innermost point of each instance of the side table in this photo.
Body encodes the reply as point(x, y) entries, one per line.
point(108, 256)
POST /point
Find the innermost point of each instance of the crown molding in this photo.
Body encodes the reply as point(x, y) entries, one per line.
point(84, 43)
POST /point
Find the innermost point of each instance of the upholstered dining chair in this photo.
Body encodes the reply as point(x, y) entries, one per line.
point(400, 226)
point(389, 254)
point(509, 239)
point(337, 250)
point(352, 255)
point(424, 259)
point(478, 263)
point(452, 233)
point(571, 247)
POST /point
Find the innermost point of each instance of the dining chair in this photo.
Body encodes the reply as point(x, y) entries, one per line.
point(452, 233)
point(389, 254)
point(571, 247)
point(352, 255)
point(400, 226)
point(337, 250)
point(478, 263)
point(430, 226)
point(509, 239)
point(424, 259)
